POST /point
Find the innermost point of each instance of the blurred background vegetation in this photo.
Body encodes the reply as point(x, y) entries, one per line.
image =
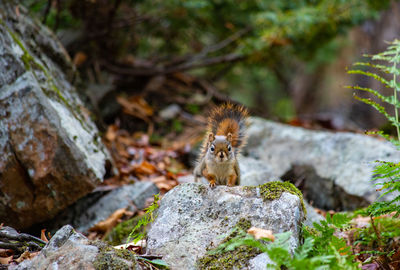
point(286, 60)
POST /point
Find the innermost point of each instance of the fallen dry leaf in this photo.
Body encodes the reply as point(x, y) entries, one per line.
point(164, 185)
point(111, 133)
point(43, 235)
point(6, 260)
point(259, 233)
point(140, 243)
point(106, 225)
point(26, 256)
point(136, 106)
point(79, 58)
point(146, 168)
point(159, 179)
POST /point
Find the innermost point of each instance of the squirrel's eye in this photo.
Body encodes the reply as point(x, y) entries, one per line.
point(212, 148)
point(229, 148)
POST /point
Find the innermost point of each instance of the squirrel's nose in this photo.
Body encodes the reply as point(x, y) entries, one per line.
point(221, 155)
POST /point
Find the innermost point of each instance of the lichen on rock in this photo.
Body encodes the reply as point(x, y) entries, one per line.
point(111, 258)
point(237, 258)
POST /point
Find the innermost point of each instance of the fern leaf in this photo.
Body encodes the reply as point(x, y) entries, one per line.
point(388, 99)
point(385, 136)
point(379, 108)
point(385, 82)
point(383, 68)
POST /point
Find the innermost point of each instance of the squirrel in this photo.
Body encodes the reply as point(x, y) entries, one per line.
point(225, 137)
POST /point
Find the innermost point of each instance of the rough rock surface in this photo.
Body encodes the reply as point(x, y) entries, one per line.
point(98, 206)
point(68, 249)
point(192, 217)
point(255, 172)
point(50, 153)
point(336, 168)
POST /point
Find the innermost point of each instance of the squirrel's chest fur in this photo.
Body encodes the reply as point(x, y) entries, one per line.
point(220, 169)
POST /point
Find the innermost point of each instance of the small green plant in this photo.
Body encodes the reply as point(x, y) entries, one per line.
point(387, 174)
point(388, 228)
point(138, 233)
point(321, 249)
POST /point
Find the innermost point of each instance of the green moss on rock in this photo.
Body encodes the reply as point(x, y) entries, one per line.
point(273, 190)
point(237, 258)
point(119, 234)
point(111, 258)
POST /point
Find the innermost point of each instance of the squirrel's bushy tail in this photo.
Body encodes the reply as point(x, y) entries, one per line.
point(229, 118)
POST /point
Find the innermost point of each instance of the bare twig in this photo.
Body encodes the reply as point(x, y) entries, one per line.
point(378, 234)
point(211, 90)
point(228, 58)
point(150, 256)
point(160, 70)
point(11, 239)
point(59, 8)
point(210, 49)
point(46, 11)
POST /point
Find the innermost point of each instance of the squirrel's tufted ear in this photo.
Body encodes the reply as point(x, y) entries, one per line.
point(229, 137)
point(211, 137)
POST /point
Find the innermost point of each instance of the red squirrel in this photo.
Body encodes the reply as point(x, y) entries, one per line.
point(217, 161)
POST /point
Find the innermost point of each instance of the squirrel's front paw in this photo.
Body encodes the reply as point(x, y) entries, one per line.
point(212, 184)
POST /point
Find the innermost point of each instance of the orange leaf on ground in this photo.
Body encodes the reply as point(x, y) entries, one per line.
point(26, 256)
point(146, 168)
point(111, 133)
point(111, 221)
point(159, 179)
point(79, 58)
point(136, 106)
point(164, 185)
point(43, 235)
point(6, 260)
point(259, 233)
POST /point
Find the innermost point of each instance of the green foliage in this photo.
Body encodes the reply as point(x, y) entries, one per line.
point(392, 58)
point(119, 234)
point(387, 179)
point(388, 228)
point(321, 249)
point(387, 174)
point(231, 258)
point(138, 233)
point(274, 36)
point(327, 243)
point(60, 19)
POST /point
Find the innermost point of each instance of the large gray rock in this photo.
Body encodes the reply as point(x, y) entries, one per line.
point(192, 217)
point(50, 151)
point(255, 172)
point(334, 169)
point(68, 249)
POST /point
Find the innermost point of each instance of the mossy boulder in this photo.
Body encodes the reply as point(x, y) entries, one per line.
point(50, 151)
point(194, 218)
point(68, 249)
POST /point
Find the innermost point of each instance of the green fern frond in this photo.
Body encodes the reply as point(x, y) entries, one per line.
point(137, 233)
point(383, 68)
point(387, 99)
point(380, 109)
point(385, 82)
point(386, 137)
